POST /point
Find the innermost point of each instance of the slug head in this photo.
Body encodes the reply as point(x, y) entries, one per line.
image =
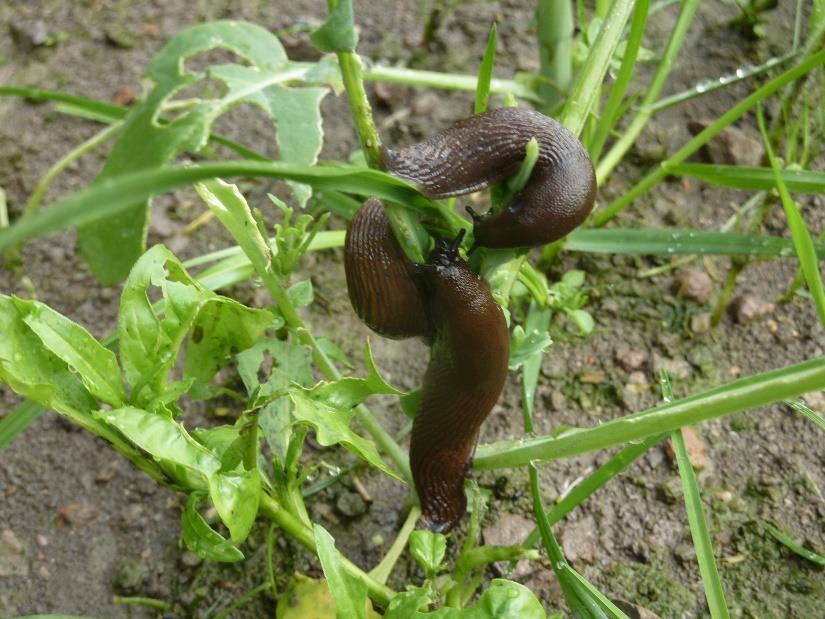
point(445, 253)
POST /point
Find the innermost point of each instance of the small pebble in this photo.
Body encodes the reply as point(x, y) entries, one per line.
point(695, 447)
point(78, 514)
point(748, 307)
point(693, 285)
point(630, 359)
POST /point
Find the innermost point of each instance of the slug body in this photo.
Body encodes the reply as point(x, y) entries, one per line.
point(463, 381)
point(452, 308)
point(485, 149)
point(381, 280)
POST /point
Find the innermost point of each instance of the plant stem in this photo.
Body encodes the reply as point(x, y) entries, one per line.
point(554, 25)
point(659, 173)
point(293, 527)
point(350, 66)
point(583, 94)
point(142, 601)
point(382, 571)
point(674, 44)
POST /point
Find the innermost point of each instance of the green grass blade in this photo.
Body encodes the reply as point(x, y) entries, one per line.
point(485, 72)
point(802, 408)
point(115, 194)
point(736, 112)
point(675, 242)
point(799, 231)
point(714, 592)
point(793, 546)
point(740, 395)
point(554, 35)
point(751, 179)
point(20, 418)
point(652, 90)
point(613, 107)
point(586, 87)
point(101, 108)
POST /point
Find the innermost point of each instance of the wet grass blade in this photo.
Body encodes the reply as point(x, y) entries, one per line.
point(20, 418)
point(585, 89)
point(485, 72)
point(115, 194)
point(800, 407)
point(740, 395)
point(751, 179)
point(793, 546)
point(802, 239)
point(737, 111)
point(714, 592)
point(673, 242)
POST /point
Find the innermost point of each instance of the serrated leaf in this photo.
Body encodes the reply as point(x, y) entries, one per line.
point(428, 549)
point(332, 428)
point(202, 539)
point(83, 354)
point(337, 34)
point(236, 496)
point(33, 371)
point(112, 244)
point(349, 593)
point(167, 441)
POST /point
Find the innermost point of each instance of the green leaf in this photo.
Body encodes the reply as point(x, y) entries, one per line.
point(223, 441)
point(300, 294)
point(202, 539)
point(350, 594)
point(35, 372)
point(272, 364)
point(751, 179)
point(83, 354)
point(428, 549)
point(503, 598)
point(236, 496)
point(794, 546)
point(525, 345)
point(167, 441)
point(411, 403)
point(337, 34)
point(112, 244)
point(332, 427)
point(583, 320)
point(222, 327)
point(149, 341)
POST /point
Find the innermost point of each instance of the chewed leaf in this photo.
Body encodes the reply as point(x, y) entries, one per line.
point(332, 427)
point(202, 539)
point(113, 243)
point(272, 364)
point(167, 441)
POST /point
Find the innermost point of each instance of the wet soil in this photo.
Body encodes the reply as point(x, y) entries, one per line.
point(79, 526)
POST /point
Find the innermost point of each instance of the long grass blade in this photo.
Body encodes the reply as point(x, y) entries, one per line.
point(485, 72)
point(740, 395)
point(801, 408)
point(802, 239)
point(751, 179)
point(733, 114)
point(678, 242)
point(794, 546)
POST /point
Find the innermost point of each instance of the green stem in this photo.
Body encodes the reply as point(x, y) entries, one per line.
point(446, 81)
point(727, 291)
point(583, 94)
point(350, 66)
point(659, 173)
point(142, 601)
point(296, 529)
point(554, 25)
point(382, 571)
point(639, 122)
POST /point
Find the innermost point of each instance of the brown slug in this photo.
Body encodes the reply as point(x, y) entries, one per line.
point(381, 280)
point(454, 310)
point(463, 381)
point(484, 149)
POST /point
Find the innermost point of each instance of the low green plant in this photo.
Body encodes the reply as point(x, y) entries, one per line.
point(175, 334)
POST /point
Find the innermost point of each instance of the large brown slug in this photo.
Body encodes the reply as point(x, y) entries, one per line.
point(481, 150)
point(454, 310)
point(464, 379)
point(381, 279)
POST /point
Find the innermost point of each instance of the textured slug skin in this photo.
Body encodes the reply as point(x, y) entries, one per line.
point(381, 280)
point(465, 376)
point(481, 150)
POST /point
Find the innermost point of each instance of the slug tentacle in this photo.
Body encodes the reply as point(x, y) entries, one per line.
point(381, 279)
point(481, 150)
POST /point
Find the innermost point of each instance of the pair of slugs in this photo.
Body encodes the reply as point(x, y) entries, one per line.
point(443, 300)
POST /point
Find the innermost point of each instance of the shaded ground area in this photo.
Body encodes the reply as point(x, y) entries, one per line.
point(78, 525)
